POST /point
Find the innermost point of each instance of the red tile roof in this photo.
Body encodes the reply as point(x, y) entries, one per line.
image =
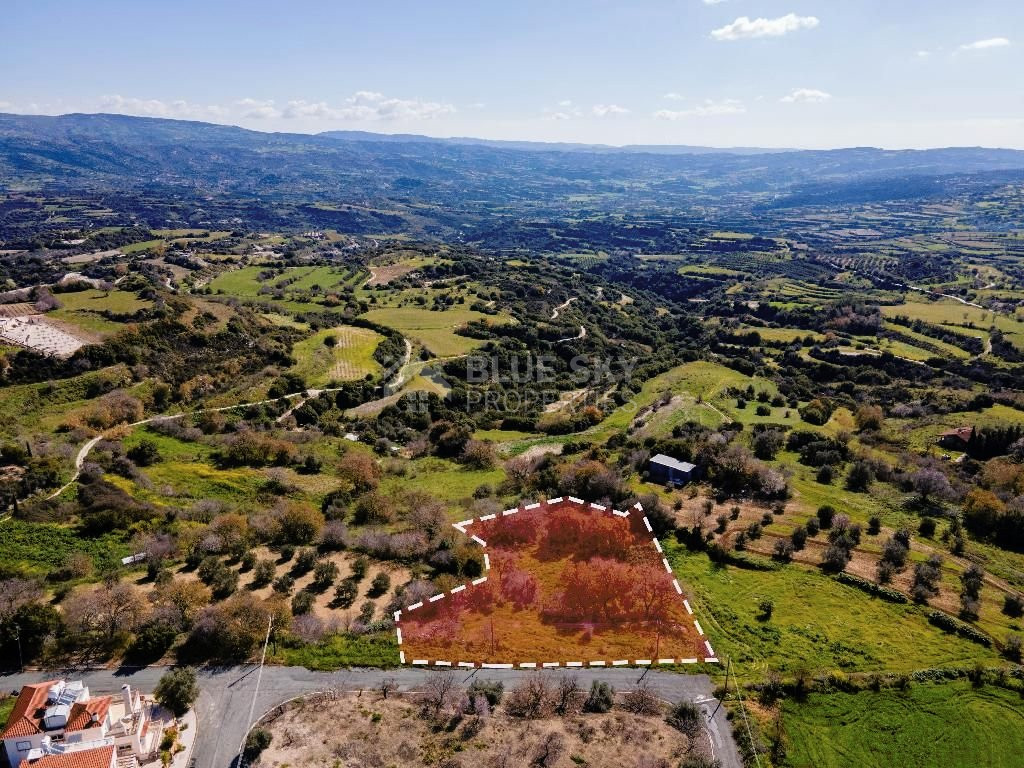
point(82, 713)
point(27, 715)
point(102, 757)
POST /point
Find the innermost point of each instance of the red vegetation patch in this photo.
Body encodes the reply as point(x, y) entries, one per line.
point(566, 583)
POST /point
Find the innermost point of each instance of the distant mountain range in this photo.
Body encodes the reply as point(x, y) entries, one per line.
point(97, 152)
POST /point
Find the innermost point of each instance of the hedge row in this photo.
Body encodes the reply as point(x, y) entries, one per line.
point(885, 593)
point(949, 624)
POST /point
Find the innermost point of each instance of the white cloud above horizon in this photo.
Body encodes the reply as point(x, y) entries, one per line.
point(745, 28)
point(806, 96)
point(708, 108)
point(362, 106)
point(608, 110)
point(986, 44)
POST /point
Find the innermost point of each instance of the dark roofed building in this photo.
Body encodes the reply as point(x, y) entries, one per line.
point(670, 471)
point(956, 439)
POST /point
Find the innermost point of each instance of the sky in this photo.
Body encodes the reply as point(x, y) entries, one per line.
point(766, 73)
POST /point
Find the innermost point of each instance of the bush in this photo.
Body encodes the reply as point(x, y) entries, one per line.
point(303, 602)
point(927, 527)
point(687, 718)
point(783, 551)
point(799, 538)
point(263, 573)
point(381, 583)
point(305, 561)
point(955, 626)
point(826, 514)
point(884, 593)
point(1013, 605)
point(345, 594)
point(874, 525)
point(177, 690)
point(492, 690)
point(836, 558)
point(767, 608)
point(324, 574)
point(359, 567)
point(257, 741)
point(601, 698)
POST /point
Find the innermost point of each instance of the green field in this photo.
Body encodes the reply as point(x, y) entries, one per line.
point(955, 314)
point(435, 330)
point(861, 634)
point(350, 359)
point(928, 726)
point(39, 547)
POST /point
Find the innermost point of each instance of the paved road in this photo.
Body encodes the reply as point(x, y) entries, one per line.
point(224, 704)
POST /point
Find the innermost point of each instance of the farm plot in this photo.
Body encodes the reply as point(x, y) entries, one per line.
point(349, 357)
point(37, 333)
point(435, 330)
point(565, 583)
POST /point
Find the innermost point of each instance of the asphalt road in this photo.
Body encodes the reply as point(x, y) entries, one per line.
point(227, 696)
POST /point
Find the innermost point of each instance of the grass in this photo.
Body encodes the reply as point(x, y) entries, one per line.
point(861, 633)
point(351, 358)
point(337, 651)
point(6, 707)
point(956, 314)
point(95, 300)
point(40, 547)
point(444, 479)
point(947, 726)
point(434, 330)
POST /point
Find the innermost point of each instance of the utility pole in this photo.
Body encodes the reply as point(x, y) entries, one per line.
point(17, 636)
point(259, 677)
point(728, 666)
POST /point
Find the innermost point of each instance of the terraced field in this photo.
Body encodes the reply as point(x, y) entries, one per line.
point(350, 358)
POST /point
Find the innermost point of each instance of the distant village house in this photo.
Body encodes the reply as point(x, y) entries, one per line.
point(669, 471)
point(956, 439)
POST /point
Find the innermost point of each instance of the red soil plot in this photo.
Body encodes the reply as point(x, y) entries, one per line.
point(566, 584)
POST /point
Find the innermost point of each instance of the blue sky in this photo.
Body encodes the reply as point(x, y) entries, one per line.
point(806, 73)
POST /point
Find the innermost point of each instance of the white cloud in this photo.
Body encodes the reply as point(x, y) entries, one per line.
point(983, 45)
point(673, 96)
point(156, 108)
point(806, 96)
point(560, 116)
point(565, 103)
point(608, 110)
point(710, 108)
point(258, 110)
point(5, 105)
point(923, 54)
point(746, 28)
point(713, 2)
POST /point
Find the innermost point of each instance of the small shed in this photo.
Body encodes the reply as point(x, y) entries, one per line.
point(669, 471)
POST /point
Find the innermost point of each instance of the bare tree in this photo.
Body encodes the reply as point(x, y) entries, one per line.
point(440, 692)
point(642, 701)
point(387, 685)
point(549, 750)
point(569, 697)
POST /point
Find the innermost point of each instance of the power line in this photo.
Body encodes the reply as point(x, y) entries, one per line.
point(259, 677)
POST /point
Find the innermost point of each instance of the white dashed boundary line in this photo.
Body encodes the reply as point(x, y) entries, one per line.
point(461, 528)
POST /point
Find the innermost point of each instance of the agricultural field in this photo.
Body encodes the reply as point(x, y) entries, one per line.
point(928, 725)
point(434, 330)
point(337, 354)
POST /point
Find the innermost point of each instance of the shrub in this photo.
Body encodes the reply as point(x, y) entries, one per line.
point(492, 690)
point(783, 551)
point(324, 574)
point(767, 608)
point(601, 698)
point(263, 573)
point(874, 525)
point(1012, 649)
point(381, 583)
point(345, 594)
point(359, 567)
point(955, 626)
point(687, 718)
point(927, 527)
point(836, 558)
point(257, 741)
point(302, 602)
point(799, 538)
point(642, 701)
point(860, 476)
point(1013, 605)
point(284, 584)
point(826, 514)
point(885, 593)
point(304, 561)
point(813, 527)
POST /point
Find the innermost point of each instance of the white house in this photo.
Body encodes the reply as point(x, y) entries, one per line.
point(59, 716)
